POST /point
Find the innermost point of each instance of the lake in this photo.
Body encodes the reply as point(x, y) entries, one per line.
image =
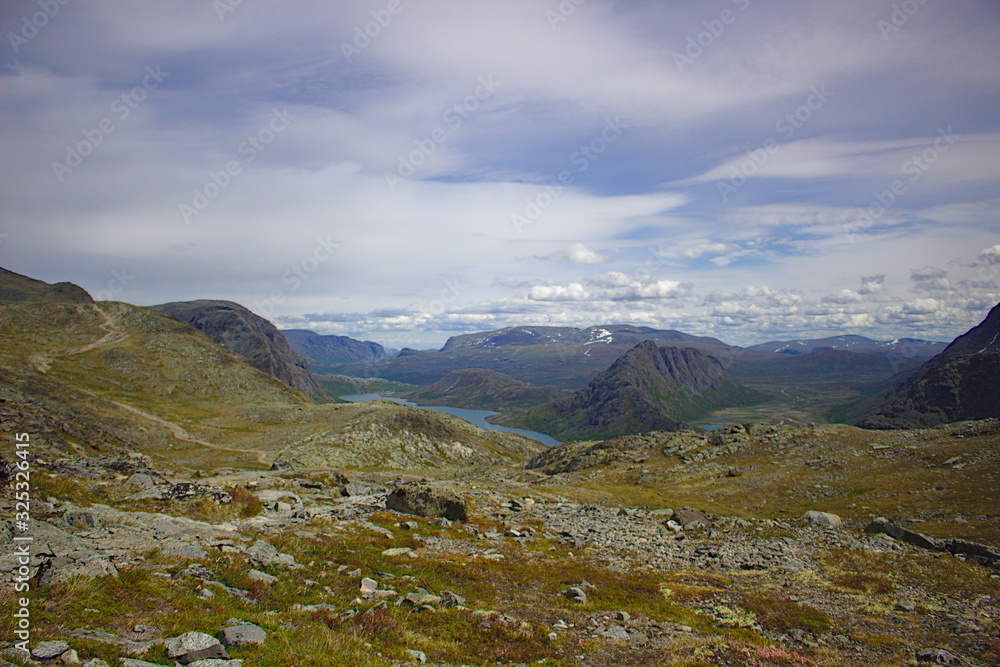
point(477, 417)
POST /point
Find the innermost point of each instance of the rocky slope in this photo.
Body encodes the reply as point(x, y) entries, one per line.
point(648, 388)
point(252, 337)
point(325, 351)
point(959, 383)
point(15, 288)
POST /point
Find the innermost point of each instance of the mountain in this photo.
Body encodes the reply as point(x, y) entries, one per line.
point(563, 357)
point(912, 348)
point(478, 389)
point(324, 352)
point(15, 288)
point(252, 337)
point(648, 388)
point(959, 384)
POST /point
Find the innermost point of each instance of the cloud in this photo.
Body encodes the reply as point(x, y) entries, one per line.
point(930, 279)
point(872, 284)
point(571, 292)
point(578, 253)
point(844, 296)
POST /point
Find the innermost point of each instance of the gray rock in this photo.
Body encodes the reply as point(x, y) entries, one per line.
point(241, 635)
point(76, 517)
point(141, 480)
point(193, 646)
point(576, 594)
point(420, 599)
point(637, 638)
point(449, 599)
point(130, 662)
point(397, 551)
point(937, 656)
point(616, 632)
point(905, 535)
point(823, 519)
point(70, 657)
point(425, 500)
point(368, 585)
point(419, 656)
point(905, 605)
point(263, 553)
point(691, 518)
point(215, 662)
point(96, 662)
point(264, 577)
point(49, 650)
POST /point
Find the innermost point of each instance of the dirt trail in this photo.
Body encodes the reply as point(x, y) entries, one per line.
point(42, 361)
point(181, 434)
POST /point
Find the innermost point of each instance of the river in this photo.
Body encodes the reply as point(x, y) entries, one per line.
point(477, 417)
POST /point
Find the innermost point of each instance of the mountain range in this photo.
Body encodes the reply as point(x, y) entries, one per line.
point(325, 352)
point(960, 383)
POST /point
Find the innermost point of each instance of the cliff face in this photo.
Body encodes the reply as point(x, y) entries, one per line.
point(250, 336)
point(963, 382)
point(324, 351)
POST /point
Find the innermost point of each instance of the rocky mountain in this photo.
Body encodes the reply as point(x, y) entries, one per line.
point(479, 389)
point(325, 352)
point(15, 288)
point(648, 388)
point(912, 348)
point(563, 357)
point(252, 337)
point(958, 384)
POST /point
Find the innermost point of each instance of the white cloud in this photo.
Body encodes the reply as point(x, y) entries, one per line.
point(578, 253)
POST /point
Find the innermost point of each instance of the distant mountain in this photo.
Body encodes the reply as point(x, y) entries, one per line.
point(648, 388)
point(250, 336)
point(913, 348)
point(15, 288)
point(478, 389)
point(960, 383)
point(563, 357)
point(325, 352)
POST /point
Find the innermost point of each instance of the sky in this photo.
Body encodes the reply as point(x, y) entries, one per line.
point(406, 170)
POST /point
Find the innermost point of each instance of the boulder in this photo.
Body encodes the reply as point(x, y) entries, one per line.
point(937, 656)
point(576, 594)
point(883, 526)
point(195, 646)
point(241, 635)
point(49, 650)
point(689, 518)
point(76, 517)
point(823, 519)
point(141, 480)
point(422, 499)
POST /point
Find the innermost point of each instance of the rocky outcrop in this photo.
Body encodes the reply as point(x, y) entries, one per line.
point(15, 288)
point(957, 385)
point(422, 499)
point(250, 336)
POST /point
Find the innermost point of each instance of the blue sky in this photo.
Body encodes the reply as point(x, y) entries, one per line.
point(402, 171)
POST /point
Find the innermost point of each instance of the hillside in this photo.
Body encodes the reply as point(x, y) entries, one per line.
point(15, 288)
point(250, 336)
point(110, 378)
point(325, 352)
point(911, 348)
point(958, 384)
point(562, 357)
point(479, 389)
point(648, 388)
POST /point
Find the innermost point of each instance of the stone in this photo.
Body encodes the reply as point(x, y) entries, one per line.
point(426, 500)
point(96, 662)
point(905, 605)
point(76, 517)
point(419, 656)
point(823, 519)
point(937, 656)
point(368, 586)
point(263, 577)
point(449, 599)
point(616, 632)
point(263, 553)
point(194, 646)
point(622, 616)
point(883, 526)
point(141, 480)
point(409, 525)
point(420, 599)
point(691, 518)
point(576, 594)
point(638, 638)
point(442, 523)
point(70, 657)
point(398, 551)
point(49, 650)
point(215, 662)
point(241, 635)
point(130, 662)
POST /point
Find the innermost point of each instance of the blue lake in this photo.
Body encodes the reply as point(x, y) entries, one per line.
point(477, 417)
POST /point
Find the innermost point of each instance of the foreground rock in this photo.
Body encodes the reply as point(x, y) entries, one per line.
point(425, 500)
